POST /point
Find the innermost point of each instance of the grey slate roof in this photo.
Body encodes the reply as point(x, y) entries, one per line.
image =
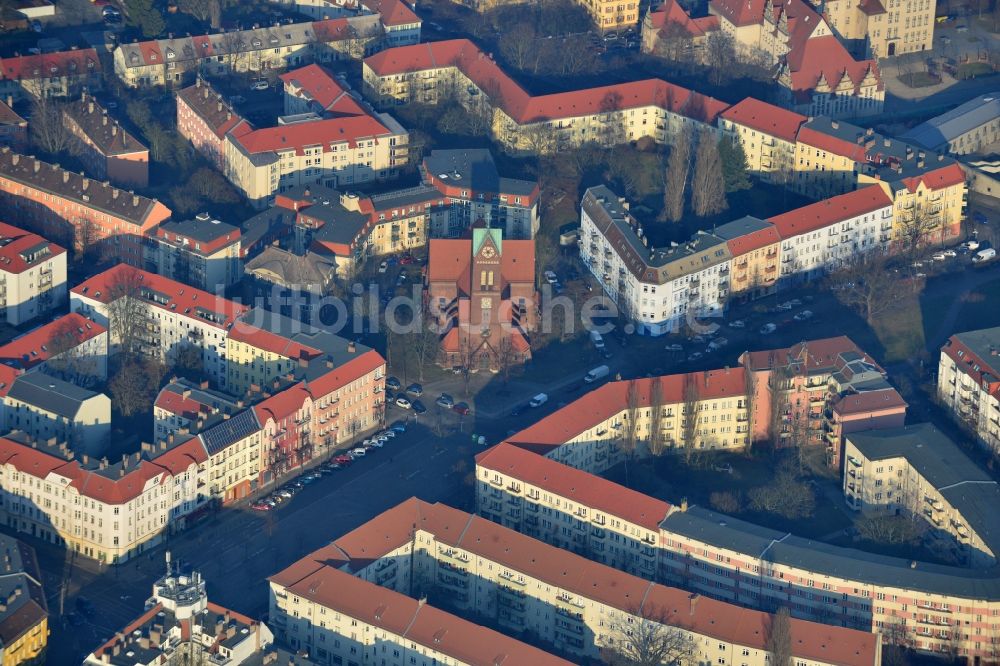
point(938, 132)
point(49, 393)
point(939, 460)
point(202, 230)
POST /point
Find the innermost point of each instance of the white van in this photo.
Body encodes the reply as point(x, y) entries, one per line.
point(984, 255)
point(597, 373)
point(538, 400)
point(596, 338)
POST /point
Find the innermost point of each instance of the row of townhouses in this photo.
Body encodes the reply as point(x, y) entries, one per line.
point(176, 61)
point(550, 494)
point(417, 554)
point(968, 383)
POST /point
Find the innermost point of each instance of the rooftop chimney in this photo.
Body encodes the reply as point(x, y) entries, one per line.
point(351, 347)
point(90, 107)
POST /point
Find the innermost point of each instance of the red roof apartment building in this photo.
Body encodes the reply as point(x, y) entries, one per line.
point(969, 383)
point(204, 118)
point(109, 151)
point(62, 74)
point(90, 214)
point(339, 146)
point(525, 123)
point(32, 275)
point(13, 128)
point(480, 293)
point(360, 584)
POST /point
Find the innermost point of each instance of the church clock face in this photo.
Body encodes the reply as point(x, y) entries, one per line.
point(485, 303)
point(489, 252)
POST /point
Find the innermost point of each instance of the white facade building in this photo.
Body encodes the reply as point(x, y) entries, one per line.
point(658, 289)
point(824, 235)
point(32, 275)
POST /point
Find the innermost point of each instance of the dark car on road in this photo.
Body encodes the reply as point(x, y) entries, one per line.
point(445, 400)
point(392, 383)
point(415, 389)
point(461, 408)
point(418, 407)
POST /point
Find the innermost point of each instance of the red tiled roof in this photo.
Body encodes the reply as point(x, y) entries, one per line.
point(323, 89)
point(181, 298)
point(341, 376)
point(49, 65)
point(272, 342)
point(413, 620)
point(281, 405)
point(393, 12)
point(765, 118)
point(178, 459)
point(937, 179)
point(671, 13)
point(754, 240)
point(553, 566)
point(872, 7)
point(18, 241)
point(831, 211)
point(869, 401)
point(739, 12)
point(576, 485)
point(818, 354)
point(450, 259)
point(605, 401)
point(180, 404)
point(831, 144)
point(32, 348)
point(522, 107)
point(826, 58)
point(321, 133)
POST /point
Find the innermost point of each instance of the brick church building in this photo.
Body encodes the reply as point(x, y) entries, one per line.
point(482, 292)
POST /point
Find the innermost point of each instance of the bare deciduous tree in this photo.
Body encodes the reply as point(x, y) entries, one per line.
point(649, 641)
point(779, 638)
point(128, 314)
point(689, 413)
point(708, 185)
point(676, 177)
point(67, 359)
point(867, 285)
point(48, 126)
point(656, 443)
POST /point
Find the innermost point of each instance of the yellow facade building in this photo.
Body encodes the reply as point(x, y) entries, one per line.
point(886, 27)
point(24, 618)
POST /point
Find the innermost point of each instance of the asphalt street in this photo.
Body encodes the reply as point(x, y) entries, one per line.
point(239, 548)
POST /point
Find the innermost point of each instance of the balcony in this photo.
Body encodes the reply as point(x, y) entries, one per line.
point(510, 578)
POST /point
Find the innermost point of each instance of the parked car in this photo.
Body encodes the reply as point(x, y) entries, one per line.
point(970, 245)
point(737, 323)
point(445, 400)
point(403, 402)
point(392, 383)
point(939, 256)
point(538, 400)
point(387, 434)
point(259, 84)
point(343, 459)
point(383, 267)
point(805, 315)
point(550, 277)
point(461, 408)
point(599, 372)
point(418, 407)
point(694, 356)
point(597, 339)
point(950, 253)
point(415, 389)
point(984, 256)
point(398, 428)
point(717, 344)
point(674, 348)
point(375, 444)
point(358, 452)
point(783, 307)
point(768, 329)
